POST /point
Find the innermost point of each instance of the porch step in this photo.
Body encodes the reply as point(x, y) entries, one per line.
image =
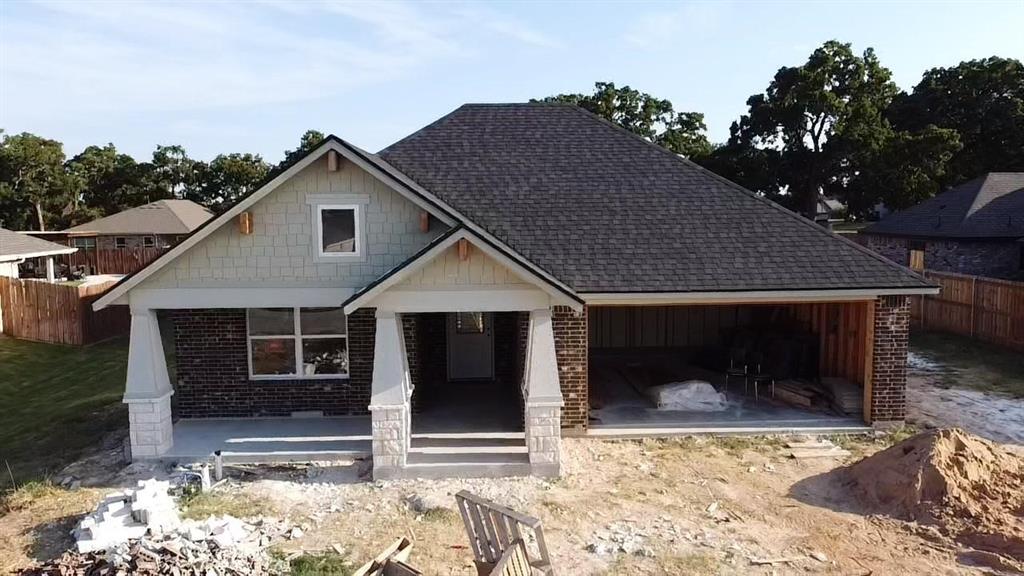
point(435, 445)
point(461, 465)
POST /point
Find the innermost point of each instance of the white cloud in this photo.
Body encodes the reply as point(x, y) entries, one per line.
point(662, 29)
point(105, 57)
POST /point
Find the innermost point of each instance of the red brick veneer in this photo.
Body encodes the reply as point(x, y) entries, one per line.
point(889, 360)
point(212, 376)
point(570, 330)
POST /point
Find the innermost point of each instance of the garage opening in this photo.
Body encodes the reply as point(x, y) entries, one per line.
point(722, 368)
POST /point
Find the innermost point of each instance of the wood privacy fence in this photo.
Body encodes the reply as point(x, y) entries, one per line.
point(984, 308)
point(118, 261)
point(58, 313)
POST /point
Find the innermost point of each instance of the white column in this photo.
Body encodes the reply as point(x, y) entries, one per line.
point(390, 393)
point(50, 276)
point(543, 395)
point(148, 388)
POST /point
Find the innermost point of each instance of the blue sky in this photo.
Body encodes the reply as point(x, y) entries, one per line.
point(252, 76)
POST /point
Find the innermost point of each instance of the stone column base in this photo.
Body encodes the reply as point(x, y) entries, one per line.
point(543, 439)
point(150, 427)
point(390, 440)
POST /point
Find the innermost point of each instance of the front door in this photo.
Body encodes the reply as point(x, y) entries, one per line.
point(470, 346)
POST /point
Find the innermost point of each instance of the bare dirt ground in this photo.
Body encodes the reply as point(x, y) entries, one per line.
point(684, 506)
point(941, 395)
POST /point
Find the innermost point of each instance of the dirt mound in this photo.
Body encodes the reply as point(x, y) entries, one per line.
point(968, 486)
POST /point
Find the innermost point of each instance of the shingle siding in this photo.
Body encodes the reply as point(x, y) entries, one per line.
point(280, 251)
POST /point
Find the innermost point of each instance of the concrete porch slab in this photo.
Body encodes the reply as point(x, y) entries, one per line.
point(271, 440)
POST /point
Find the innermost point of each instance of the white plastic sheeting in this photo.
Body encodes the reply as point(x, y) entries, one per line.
point(690, 396)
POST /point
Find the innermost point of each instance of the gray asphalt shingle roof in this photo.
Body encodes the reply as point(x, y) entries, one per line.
point(605, 211)
point(160, 217)
point(991, 206)
point(14, 246)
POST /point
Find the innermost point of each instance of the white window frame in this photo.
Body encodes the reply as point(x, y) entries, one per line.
point(120, 242)
point(357, 230)
point(85, 242)
point(151, 243)
point(297, 337)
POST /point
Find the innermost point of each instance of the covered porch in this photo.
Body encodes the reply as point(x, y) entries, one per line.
point(465, 377)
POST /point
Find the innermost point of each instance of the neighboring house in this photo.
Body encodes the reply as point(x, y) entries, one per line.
point(16, 248)
point(159, 224)
point(504, 276)
point(974, 228)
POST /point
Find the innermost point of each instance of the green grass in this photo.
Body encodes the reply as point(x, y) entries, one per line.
point(973, 364)
point(202, 505)
point(326, 563)
point(57, 401)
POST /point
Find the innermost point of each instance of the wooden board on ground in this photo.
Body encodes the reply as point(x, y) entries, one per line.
point(390, 562)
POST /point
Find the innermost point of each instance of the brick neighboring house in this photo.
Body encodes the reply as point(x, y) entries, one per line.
point(157, 225)
point(975, 228)
point(479, 275)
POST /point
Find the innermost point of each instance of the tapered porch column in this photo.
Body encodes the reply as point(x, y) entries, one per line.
point(390, 396)
point(148, 388)
point(543, 395)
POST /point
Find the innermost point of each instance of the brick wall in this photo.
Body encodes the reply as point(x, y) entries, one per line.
point(996, 259)
point(212, 374)
point(570, 330)
point(889, 380)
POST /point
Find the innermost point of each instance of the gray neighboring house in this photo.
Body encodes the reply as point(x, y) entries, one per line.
point(15, 248)
point(159, 224)
point(507, 275)
point(975, 228)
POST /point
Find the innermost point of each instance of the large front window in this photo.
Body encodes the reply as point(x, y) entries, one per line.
point(298, 343)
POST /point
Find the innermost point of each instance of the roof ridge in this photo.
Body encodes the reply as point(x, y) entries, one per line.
point(749, 193)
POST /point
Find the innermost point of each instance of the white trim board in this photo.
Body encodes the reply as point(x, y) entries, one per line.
point(746, 297)
point(329, 144)
point(463, 299)
point(14, 257)
point(371, 295)
point(183, 298)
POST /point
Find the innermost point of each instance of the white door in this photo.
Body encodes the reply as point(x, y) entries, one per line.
point(470, 346)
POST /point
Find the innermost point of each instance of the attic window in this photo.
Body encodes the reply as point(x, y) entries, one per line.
point(338, 230)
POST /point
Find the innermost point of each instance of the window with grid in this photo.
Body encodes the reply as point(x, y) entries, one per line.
point(297, 343)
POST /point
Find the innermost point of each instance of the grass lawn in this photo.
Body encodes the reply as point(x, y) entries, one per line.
point(974, 364)
point(57, 401)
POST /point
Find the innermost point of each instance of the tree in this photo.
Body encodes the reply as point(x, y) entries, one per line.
point(653, 118)
point(172, 172)
point(311, 139)
point(806, 112)
point(111, 181)
point(34, 188)
point(983, 101)
point(227, 178)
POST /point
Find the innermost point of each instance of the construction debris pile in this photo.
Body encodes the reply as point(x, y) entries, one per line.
point(966, 486)
point(139, 532)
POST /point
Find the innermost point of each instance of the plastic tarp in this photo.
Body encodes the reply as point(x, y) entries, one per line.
point(690, 396)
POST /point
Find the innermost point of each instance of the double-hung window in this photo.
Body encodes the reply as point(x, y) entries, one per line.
point(297, 343)
point(120, 242)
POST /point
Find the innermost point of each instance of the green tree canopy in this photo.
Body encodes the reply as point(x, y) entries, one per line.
point(311, 139)
point(653, 118)
point(821, 128)
point(227, 178)
point(983, 101)
point(34, 187)
point(111, 181)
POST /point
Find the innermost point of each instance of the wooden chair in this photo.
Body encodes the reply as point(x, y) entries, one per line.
point(493, 530)
point(391, 561)
point(514, 562)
